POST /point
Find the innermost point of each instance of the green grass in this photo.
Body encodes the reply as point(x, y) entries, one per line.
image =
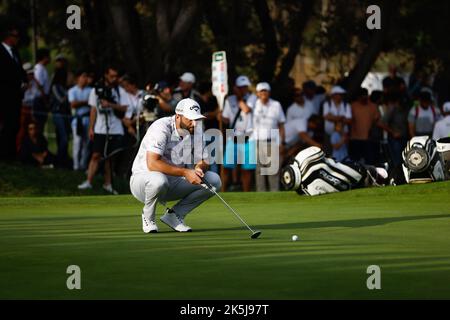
point(18, 180)
point(405, 230)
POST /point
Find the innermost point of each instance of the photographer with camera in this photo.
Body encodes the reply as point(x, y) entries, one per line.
point(166, 102)
point(158, 102)
point(108, 107)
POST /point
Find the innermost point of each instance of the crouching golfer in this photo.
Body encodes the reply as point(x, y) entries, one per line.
point(161, 174)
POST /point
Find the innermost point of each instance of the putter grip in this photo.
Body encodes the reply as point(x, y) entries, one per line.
point(206, 183)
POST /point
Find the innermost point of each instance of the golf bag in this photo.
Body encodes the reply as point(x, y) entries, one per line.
point(443, 147)
point(311, 173)
point(422, 161)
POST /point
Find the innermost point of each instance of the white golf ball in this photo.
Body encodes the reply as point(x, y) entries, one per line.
point(294, 238)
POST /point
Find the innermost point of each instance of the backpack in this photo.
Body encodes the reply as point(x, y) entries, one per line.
point(433, 110)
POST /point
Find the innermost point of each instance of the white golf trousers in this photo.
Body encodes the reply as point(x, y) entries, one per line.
point(153, 187)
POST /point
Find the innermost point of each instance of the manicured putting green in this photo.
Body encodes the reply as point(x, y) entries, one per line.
point(405, 230)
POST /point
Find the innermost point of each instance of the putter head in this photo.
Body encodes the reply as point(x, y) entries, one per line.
point(255, 234)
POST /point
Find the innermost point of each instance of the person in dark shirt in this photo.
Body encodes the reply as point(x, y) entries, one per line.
point(12, 77)
point(392, 83)
point(210, 109)
point(61, 115)
point(34, 148)
point(396, 124)
point(209, 105)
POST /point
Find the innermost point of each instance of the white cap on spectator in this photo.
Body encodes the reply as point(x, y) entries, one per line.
point(60, 57)
point(337, 90)
point(188, 77)
point(446, 106)
point(242, 81)
point(189, 108)
point(262, 86)
point(28, 67)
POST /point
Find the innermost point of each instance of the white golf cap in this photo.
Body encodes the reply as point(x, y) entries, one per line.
point(446, 107)
point(190, 109)
point(188, 77)
point(243, 81)
point(28, 67)
point(262, 86)
point(337, 90)
point(60, 57)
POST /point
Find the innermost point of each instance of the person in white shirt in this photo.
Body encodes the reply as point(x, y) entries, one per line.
point(237, 115)
point(186, 89)
point(421, 119)
point(310, 95)
point(300, 109)
point(442, 127)
point(32, 90)
point(78, 98)
point(134, 96)
point(299, 133)
point(269, 135)
point(40, 104)
point(335, 110)
point(105, 128)
point(161, 174)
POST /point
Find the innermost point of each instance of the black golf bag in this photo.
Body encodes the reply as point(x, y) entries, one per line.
point(311, 173)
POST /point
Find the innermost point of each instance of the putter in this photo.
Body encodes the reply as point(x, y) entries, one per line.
point(207, 185)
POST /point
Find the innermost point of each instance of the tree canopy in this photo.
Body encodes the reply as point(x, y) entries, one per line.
point(155, 39)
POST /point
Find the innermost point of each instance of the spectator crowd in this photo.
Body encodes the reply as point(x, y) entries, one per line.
point(104, 118)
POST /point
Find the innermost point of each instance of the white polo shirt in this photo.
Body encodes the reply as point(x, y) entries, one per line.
point(424, 119)
point(80, 94)
point(296, 111)
point(292, 130)
point(343, 110)
point(30, 94)
point(315, 102)
point(134, 103)
point(442, 128)
point(163, 138)
point(108, 116)
point(41, 75)
point(265, 118)
point(244, 122)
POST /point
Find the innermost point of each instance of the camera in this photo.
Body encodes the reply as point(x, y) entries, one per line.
point(150, 104)
point(104, 92)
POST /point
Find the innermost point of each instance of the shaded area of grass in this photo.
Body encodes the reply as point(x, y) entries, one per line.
point(21, 180)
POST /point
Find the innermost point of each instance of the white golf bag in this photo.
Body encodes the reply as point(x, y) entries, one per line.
point(443, 147)
point(312, 173)
point(422, 162)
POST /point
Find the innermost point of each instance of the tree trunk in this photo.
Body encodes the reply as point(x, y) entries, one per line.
point(225, 27)
point(174, 19)
point(299, 24)
point(370, 54)
point(268, 63)
point(126, 23)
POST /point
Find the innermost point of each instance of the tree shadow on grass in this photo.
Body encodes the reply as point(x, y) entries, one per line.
point(353, 223)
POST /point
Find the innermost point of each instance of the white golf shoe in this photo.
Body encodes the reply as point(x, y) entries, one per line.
point(85, 185)
point(175, 222)
point(109, 188)
point(149, 226)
